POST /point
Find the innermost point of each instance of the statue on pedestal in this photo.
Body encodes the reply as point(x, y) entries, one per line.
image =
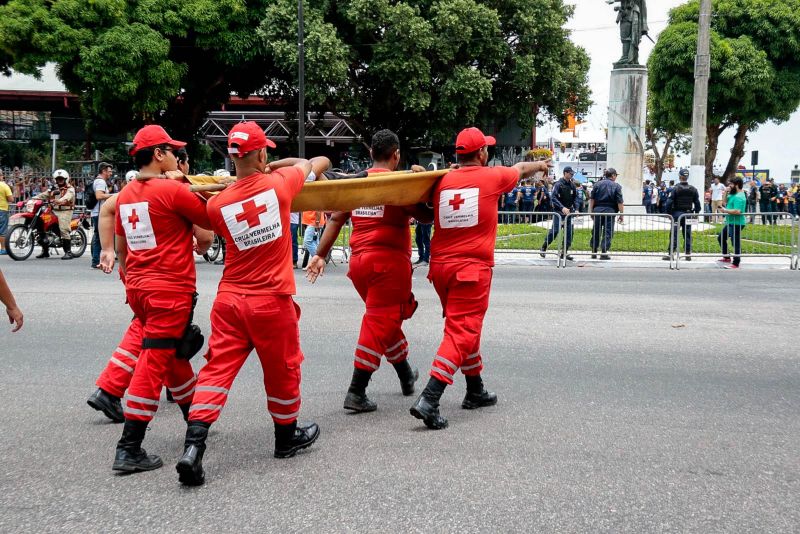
point(632, 20)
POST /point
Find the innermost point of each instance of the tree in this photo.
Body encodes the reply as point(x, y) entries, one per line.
point(427, 68)
point(663, 141)
point(755, 70)
point(135, 62)
point(421, 67)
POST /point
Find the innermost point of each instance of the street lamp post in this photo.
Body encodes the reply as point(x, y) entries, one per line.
point(54, 138)
point(301, 78)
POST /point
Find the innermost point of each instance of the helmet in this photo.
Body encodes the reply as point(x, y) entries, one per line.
point(61, 173)
point(222, 172)
point(130, 176)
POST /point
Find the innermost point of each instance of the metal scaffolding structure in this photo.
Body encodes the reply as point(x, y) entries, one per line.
point(326, 128)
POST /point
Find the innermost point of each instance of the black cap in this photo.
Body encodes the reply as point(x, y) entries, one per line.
point(103, 166)
point(684, 173)
point(611, 171)
point(569, 170)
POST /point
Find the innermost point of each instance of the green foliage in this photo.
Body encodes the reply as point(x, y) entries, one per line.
point(130, 61)
point(422, 67)
point(427, 68)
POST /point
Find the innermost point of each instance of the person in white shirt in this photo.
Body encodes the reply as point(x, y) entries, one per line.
point(100, 186)
point(717, 196)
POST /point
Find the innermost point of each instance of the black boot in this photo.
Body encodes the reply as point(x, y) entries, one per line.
point(356, 399)
point(185, 410)
point(291, 438)
point(131, 457)
point(427, 405)
point(108, 404)
point(45, 251)
point(477, 396)
point(190, 466)
point(66, 244)
point(407, 376)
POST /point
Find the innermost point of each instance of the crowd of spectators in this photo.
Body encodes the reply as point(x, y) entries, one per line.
point(26, 183)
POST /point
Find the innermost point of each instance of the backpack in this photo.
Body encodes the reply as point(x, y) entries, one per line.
point(89, 198)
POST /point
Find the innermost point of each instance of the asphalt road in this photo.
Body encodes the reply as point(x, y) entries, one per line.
point(630, 401)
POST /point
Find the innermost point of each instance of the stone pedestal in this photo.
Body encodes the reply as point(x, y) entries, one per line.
point(627, 113)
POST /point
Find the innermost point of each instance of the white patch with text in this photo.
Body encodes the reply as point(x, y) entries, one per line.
point(458, 208)
point(138, 228)
point(372, 212)
point(254, 221)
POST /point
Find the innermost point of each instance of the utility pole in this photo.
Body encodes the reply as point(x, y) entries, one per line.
point(54, 138)
point(301, 78)
point(702, 71)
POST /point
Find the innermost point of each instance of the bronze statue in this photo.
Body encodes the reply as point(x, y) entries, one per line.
point(632, 20)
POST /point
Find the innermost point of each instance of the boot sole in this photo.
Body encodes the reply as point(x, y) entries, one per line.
point(127, 467)
point(106, 411)
point(291, 452)
point(433, 426)
point(360, 409)
point(187, 475)
point(474, 406)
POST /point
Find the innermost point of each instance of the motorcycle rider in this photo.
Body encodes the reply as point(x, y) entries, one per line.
point(63, 202)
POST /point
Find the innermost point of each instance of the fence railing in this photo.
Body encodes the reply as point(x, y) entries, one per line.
point(527, 232)
point(770, 235)
point(607, 235)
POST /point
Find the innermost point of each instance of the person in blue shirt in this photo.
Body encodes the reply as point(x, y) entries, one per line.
point(564, 200)
point(542, 198)
point(647, 197)
point(511, 204)
point(527, 192)
point(606, 198)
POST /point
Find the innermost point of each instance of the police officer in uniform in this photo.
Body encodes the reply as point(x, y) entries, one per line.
point(511, 204)
point(606, 198)
point(684, 199)
point(63, 204)
point(564, 200)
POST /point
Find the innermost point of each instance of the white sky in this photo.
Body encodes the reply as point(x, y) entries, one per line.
point(594, 28)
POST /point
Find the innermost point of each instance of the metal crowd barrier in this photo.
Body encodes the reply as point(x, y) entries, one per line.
point(525, 232)
point(646, 235)
point(771, 235)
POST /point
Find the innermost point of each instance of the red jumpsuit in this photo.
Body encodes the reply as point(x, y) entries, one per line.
point(254, 308)
point(462, 257)
point(155, 217)
point(117, 375)
point(380, 269)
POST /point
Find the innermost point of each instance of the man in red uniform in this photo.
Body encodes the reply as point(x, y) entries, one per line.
point(154, 223)
point(254, 308)
point(462, 257)
point(117, 375)
point(380, 268)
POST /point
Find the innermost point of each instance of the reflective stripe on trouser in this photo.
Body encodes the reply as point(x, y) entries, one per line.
point(163, 315)
point(464, 293)
point(383, 280)
point(241, 323)
point(117, 375)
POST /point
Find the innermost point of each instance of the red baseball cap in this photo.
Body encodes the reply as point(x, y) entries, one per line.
point(471, 140)
point(246, 137)
point(153, 135)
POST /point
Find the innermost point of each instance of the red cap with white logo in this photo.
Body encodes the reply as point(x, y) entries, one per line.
point(246, 137)
point(471, 140)
point(153, 135)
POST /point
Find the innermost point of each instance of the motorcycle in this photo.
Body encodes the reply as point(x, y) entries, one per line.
point(213, 251)
point(24, 229)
